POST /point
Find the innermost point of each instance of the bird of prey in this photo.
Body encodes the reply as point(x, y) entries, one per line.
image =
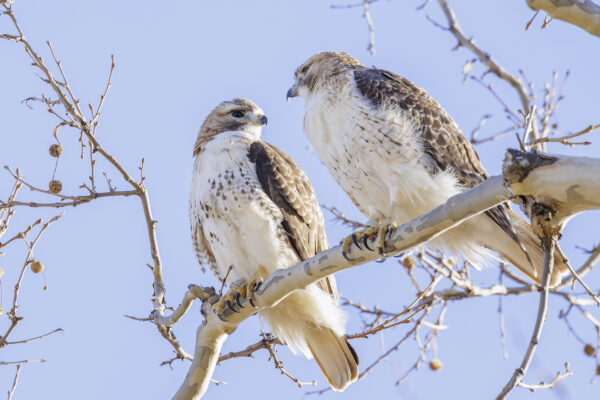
point(253, 211)
point(398, 154)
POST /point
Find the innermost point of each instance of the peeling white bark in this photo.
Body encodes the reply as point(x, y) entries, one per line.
point(582, 13)
point(567, 185)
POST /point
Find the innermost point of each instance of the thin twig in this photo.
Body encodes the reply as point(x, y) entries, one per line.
point(11, 392)
point(565, 139)
point(37, 337)
point(367, 15)
point(279, 365)
point(549, 385)
point(484, 57)
point(548, 246)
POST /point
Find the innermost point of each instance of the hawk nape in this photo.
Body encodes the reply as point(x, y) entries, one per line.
point(398, 154)
point(254, 210)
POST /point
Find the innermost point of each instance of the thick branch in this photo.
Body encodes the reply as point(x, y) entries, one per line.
point(282, 283)
point(566, 184)
point(457, 209)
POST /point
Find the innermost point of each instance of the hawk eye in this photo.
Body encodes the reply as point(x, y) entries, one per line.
point(237, 114)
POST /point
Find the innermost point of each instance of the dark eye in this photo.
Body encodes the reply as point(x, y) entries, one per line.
point(304, 70)
point(237, 114)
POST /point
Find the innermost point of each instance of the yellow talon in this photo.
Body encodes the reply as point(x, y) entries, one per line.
point(363, 235)
point(381, 234)
point(241, 290)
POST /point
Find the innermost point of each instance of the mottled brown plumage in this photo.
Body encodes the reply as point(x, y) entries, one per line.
point(252, 209)
point(444, 146)
point(398, 154)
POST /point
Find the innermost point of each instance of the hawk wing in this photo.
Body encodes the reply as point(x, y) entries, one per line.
point(290, 189)
point(444, 145)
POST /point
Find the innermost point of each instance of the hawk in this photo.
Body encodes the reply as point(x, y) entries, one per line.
point(253, 211)
point(398, 154)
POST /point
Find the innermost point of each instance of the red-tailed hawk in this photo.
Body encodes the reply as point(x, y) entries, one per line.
point(253, 210)
point(398, 155)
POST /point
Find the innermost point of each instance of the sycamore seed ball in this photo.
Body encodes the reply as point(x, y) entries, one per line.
point(588, 349)
point(409, 263)
point(598, 369)
point(435, 365)
point(55, 186)
point(55, 150)
point(37, 267)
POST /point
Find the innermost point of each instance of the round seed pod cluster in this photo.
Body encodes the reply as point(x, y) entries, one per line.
point(55, 150)
point(55, 186)
point(435, 365)
point(37, 267)
point(589, 350)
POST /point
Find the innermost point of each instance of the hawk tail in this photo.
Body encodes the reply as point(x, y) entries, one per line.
point(336, 358)
point(512, 251)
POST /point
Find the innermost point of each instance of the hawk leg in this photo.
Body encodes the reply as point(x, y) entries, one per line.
point(383, 231)
point(240, 290)
point(364, 236)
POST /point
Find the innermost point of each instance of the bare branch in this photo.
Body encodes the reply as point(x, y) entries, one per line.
point(549, 385)
point(37, 337)
point(11, 392)
point(12, 314)
point(565, 139)
point(268, 339)
point(21, 362)
point(484, 57)
point(279, 366)
point(367, 15)
point(339, 216)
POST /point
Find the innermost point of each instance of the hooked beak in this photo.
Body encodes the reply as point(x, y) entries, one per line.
point(293, 92)
point(263, 120)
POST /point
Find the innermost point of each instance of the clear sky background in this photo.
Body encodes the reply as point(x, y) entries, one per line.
point(175, 62)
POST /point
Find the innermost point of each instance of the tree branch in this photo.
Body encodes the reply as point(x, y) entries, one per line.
point(517, 176)
point(548, 246)
point(484, 57)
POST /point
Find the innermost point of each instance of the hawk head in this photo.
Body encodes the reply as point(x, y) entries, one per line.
point(232, 115)
point(320, 68)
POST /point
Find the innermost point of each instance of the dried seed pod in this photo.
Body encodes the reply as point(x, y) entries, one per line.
point(409, 263)
point(598, 369)
point(37, 267)
point(1, 272)
point(55, 150)
point(55, 186)
point(589, 350)
point(435, 365)
point(1, 310)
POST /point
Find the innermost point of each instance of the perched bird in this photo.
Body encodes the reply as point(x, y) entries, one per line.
point(398, 154)
point(253, 211)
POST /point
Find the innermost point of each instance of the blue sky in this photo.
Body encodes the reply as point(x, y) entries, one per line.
point(175, 62)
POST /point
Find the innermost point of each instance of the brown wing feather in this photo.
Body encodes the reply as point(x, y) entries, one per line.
point(444, 146)
point(290, 189)
point(443, 141)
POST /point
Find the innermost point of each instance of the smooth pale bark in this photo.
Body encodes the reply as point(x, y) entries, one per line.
point(566, 184)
